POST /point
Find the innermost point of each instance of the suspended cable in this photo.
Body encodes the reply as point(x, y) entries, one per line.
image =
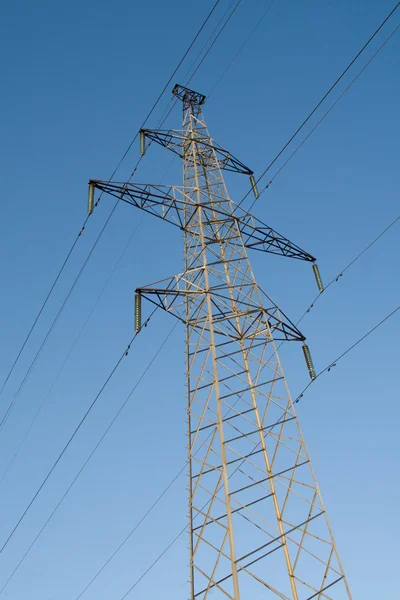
point(77, 428)
point(326, 113)
point(334, 362)
point(337, 278)
point(149, 365)
point(242, 47)
point(60, 311)
point(42, 307)
point(351, 263)
point(86, 219)
point(215, 39)
point(153, 564)
point(359, 53)
point(41, 406)
point(186, 75)
point(132, 531)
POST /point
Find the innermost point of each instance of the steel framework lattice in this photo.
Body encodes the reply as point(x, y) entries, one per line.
point(257, 523)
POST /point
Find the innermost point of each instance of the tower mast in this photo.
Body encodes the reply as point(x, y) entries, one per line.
point(257, 523)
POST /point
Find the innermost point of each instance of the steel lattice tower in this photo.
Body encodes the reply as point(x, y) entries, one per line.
point(257, 522)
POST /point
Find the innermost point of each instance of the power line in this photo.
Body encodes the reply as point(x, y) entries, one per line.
point(43, 306)
point(5, 416)
point(242, 47)
point(132, 531)
point(215, 39)
point(327, 113)
point(153, 564)
point(339, 275)
point(125, 353)
point(323, 98)
point(334, 362)
point(60, 311)
point(149, 365)
point(186, 75)
point(69, 354)
point(351, 263)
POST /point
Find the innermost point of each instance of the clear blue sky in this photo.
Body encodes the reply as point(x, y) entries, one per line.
point(78, 79)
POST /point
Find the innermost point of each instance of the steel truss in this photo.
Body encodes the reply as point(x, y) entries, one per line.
point(257, 522)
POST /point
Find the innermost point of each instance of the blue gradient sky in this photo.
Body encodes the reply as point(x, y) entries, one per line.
point(78, 79)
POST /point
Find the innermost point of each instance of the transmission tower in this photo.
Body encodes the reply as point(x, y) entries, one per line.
point(258, 528)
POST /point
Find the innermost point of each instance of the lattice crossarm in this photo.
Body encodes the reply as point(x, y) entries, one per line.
point(170, 203)
point(259, 236)
point(172, 295)
point(179, 143)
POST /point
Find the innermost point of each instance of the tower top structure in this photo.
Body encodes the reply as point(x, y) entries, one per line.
point(188, 96)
